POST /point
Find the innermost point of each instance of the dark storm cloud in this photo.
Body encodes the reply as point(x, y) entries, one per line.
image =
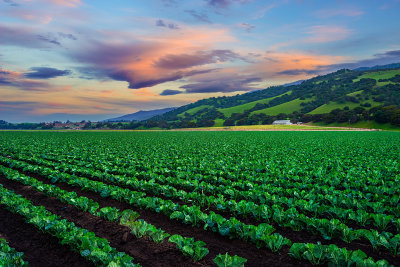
point(196, 59)
point(46, 73)
point(171, 92)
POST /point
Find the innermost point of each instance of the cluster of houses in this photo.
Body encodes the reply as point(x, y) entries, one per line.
point(69, 125)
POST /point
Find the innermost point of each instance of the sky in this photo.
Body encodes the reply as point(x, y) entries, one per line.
point(93, 59)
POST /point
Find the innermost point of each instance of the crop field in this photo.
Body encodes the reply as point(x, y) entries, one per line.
point(199, 198)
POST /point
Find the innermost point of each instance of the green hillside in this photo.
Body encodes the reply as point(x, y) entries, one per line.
point(287, 108)
point(344, 96)
point(326, 108)
point(242, 108)
point(361, 99)
point(377, 75)
point(219, 123)
point(194, 110)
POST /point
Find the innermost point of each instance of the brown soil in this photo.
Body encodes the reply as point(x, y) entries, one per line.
point(40, 249)
point(216, 243)
point(297, 237)
point(300, 236)
point(142, 250)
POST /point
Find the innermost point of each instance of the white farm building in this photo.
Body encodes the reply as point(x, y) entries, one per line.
point(282, 122)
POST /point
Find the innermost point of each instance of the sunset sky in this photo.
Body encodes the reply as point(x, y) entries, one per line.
point(95, 59)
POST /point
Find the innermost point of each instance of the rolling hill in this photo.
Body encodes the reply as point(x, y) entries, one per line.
point(342, 96)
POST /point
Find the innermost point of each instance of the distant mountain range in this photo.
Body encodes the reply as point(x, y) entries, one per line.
point(379, 67)
point(140, 115)
point(293, 83)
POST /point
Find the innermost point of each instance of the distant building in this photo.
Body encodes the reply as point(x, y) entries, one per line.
point(282, 122)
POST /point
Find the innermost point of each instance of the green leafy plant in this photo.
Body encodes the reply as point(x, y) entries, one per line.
point(189, 247)
point(224, 260)
point(9, 256)
point(110, 213)
point(81, 240)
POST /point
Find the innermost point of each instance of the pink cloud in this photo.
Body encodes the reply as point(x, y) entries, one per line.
point(279, 67)
point(146, 61)
point(67, 3)
point(326, 33)
point(16, 79)
point(348, 12)
point(27, 14)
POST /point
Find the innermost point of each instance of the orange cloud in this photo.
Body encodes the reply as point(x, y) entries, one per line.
point(278, 67)
point(144, 92)
point(325, 34)
point(138, 62)
point(67, 3)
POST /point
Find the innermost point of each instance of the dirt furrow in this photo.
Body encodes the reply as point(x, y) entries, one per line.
point(40, 249)
point(216, 243)
point(143, 250)
point(295, 236)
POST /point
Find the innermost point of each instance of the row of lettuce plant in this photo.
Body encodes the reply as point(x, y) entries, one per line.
point(233, 228)
point(320, 176)
point(9, 256)
point(260, 235)
point(328, 229)
point(139, 228)
point(271, 186)
point(334, 210)
point(95, 249)
point(339, 198)
point(331, 255)
point(360, 216)
point(231, 172)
